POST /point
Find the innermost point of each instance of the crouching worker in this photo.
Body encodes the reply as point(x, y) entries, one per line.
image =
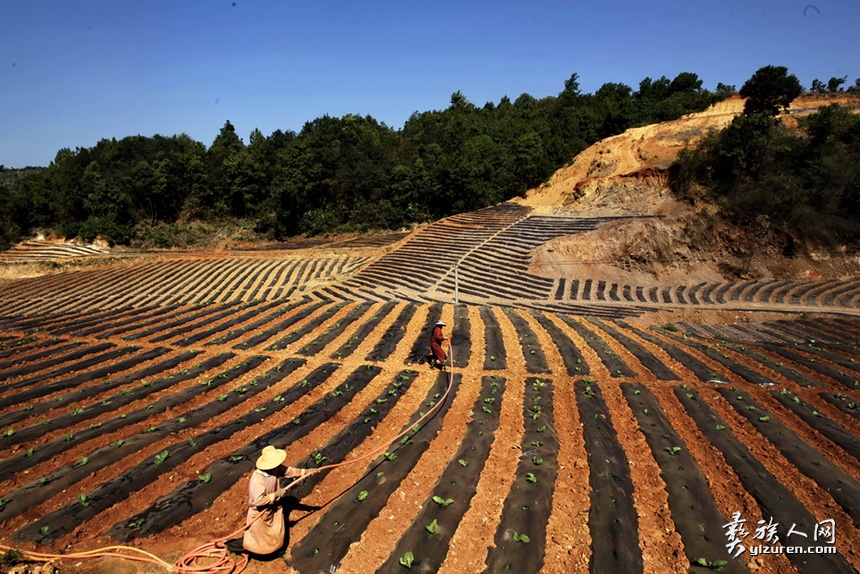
point(267, 500)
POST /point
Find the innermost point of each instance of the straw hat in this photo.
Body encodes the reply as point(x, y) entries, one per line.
point(271, 458)
point(440, 322)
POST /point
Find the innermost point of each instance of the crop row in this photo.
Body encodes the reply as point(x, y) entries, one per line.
point(172, 282)
point(833, 293)
point(69, 408)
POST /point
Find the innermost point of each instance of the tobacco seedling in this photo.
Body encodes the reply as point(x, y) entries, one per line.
point(537, 461)
point(204, 478)
point(431, 528)
point(673, 450)
point(390, 456)
point(521, 538)
point(531, 478)
point(443, 502)
point(715, 565)
point(161, 457)
point(319, 458)
point(407, 559)
point(84, 500)
point(463, 462)
point(361, 496)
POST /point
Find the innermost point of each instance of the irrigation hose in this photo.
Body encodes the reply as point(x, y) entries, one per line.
point(213, 557)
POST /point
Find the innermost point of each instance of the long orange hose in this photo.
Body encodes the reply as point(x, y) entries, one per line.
point(213, 557)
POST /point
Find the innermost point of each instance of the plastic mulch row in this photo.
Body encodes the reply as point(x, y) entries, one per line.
point(119, 488)
point(75, 380)
point(612, 519)
point(645, 357)
point(195, 496)
point(60, 360)
point(694, 511)
point(393, 335)
point(844, 489)
point(80, 414)
point(356, 313)
point(361, 333)
point(520, 540)
point(613, 363)
point(307, 328)
point(535, 359)
point(847, 441)
point(346, 519)
point(65, 477)
point(429, 535)
point(278, 328)
point(774, 499)
point(574, 362)
point(495, 357)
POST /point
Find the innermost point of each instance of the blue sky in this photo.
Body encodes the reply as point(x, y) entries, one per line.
point(75, 71)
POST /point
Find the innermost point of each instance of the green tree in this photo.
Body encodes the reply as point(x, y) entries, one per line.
point(769, 89)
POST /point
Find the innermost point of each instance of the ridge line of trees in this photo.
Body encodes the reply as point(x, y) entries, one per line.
point(336, 174)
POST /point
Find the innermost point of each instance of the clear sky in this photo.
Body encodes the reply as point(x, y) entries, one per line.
point(75, 71)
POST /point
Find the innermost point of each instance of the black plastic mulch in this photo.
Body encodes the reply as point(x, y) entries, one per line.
point(393, 335)
point(701, 370)
point(694, 511)
point(85, 377)
point(532, 353)
point(573, 360)
point(847, 441)
point(612, 518)
point(66, 477)
point(495, 357)
point(360, 334)
point(347, 518)
point(613, 363)
point(774, 499)
point(429, 535)
point(844, 489)
point(119, 488)
point(46, 364)
point(80, 414)
point(193, 497)
point(422, 342)
point(520, 541)
point(324, 338)
point(645, 357)
point(461, 336)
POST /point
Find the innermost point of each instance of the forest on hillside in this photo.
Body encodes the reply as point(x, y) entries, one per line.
point(801, 183)
point(336, 174)
point(355, 173)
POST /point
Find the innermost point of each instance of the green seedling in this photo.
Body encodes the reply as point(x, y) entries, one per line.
point(443, 502)
point(720, 427)
point(407, 559)
point(84, 500)
point(673, 450)
point(463, 462)
point(361, 496)
point(204, 478)
point(390, 456)
point(161, 457)
point(84, 460)
point(531, 478)
point(715, 565)
point(319, 458)
point(44, 530)
point(537, 461)
point(764, 419)
point(521, 538)
point(236, 458)
point(431, 528)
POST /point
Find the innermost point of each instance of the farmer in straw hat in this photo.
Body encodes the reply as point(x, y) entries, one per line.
point(436, 338)
point(266, 501)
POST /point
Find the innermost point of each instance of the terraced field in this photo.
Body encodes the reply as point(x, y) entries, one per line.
point(578, 435)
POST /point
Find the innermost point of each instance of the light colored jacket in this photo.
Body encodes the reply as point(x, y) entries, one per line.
point(266, 534)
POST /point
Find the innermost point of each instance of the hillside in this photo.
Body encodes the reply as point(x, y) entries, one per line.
point(607, 408)
point(624, 176)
